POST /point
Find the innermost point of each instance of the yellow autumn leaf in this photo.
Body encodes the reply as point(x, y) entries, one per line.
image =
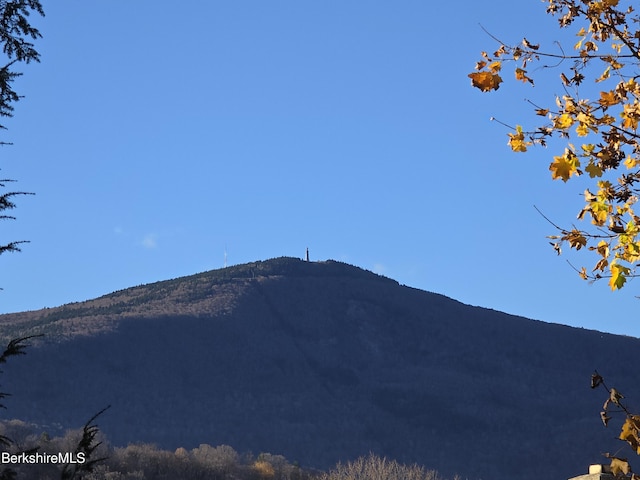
point(630, 115)
point(583, 274)
point(582, 130)
point(603, 248)
point(517, 141)
point(606, 120)
point(629, 432)
point(631, 252)
point(588, 148)
point(631, 229)
point(615, 64)
point(632, 86)
point(593, 170)
point(599, 212)
point(563, 121)
point(604, 75)
point(607, 99)
point(495, 66)
point(564, 166)
point(620, 466)
point(485, 81)
point(606, 189)
point(618, 276)
point(631, 162)
point(585, 118)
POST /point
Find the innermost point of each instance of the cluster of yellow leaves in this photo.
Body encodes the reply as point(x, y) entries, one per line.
point(605, 128)
point(517, 142)
point(617, 246)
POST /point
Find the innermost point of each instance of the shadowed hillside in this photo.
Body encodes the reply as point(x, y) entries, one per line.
point(321, 362)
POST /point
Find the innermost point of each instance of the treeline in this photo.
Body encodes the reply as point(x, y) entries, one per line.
point(147, 462)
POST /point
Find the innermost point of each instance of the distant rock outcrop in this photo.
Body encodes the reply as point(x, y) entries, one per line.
point(322, 362)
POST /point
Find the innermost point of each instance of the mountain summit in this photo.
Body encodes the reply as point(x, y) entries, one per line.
point(204, 294)
point(322, 362)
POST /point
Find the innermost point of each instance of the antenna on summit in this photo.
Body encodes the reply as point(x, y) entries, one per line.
point(225, 256)
point(306, 257)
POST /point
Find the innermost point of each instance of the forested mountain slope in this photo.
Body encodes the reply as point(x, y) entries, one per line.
point(321, 362)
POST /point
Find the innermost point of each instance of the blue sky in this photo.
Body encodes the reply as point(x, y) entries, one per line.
point(157, 135)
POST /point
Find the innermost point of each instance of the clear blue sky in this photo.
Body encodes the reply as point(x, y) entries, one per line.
point(157, 134)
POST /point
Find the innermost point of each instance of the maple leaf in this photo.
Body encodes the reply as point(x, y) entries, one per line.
point(629, 432)
point(517, 141)
point(631, 162)
point(582, 130)
point(604, 75)
point(485, 81)
point(607, 99)
point(603, 248)
point(615, 64)
point(576, 239)
point(601, 265)
point(620, 466)
point(593, 170)
point(599, 212)
point(590, 47)
point(495, 67)
point(563, 122)
point(583, 274)
point(522, 76)
point(564, 166)
point(630, 115)
point(618, 279)
point(631, 252)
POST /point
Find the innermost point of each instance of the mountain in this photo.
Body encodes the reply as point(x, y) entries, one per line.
point(323, 362)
